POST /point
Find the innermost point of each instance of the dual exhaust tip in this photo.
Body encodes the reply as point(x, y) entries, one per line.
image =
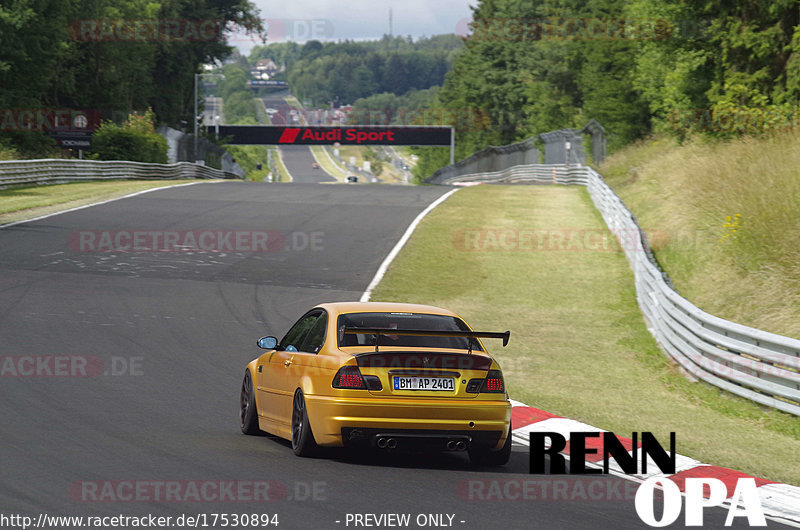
point(456, 445)
point(385, 442)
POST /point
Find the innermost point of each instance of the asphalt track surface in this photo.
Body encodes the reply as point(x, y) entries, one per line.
point(297, 158)
point(172, 332)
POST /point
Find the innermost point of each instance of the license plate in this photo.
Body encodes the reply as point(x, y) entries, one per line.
point(424, 383)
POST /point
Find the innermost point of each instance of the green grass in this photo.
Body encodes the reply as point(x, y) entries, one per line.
point(293, 102)
point(27, 202)
point(267, 117)
point(7, 153)
point(579, 346)
point(347, 151)
point(727, 222)
point(327, 164)
point(248, 157)
point(283, 173)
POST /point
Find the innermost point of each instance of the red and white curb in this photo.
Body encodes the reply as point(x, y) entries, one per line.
point(780, 501)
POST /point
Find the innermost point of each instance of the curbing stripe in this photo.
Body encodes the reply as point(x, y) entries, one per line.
point(778, 500)
point(781, 499)
point(727, 476)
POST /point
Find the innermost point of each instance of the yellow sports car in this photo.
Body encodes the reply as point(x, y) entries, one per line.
point(390, 376)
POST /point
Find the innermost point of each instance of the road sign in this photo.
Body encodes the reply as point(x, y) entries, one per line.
point(80, 121)
point(267, 83)
point(73, 139)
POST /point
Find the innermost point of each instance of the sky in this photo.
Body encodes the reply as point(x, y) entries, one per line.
point(302, 20)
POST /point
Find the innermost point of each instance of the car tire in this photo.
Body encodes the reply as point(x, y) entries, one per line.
point(488, 457)
point(248, 414)
point(303, 443)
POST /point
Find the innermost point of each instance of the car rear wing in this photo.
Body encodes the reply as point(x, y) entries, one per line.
point(428, 333)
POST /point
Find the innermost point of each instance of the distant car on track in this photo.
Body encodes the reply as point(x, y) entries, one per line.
point(315, 166)
point(387, 376)
point(352, 179)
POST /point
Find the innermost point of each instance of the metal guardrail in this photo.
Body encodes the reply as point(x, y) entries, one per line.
point(48, 171)
point(534, 173)
point(749, 362)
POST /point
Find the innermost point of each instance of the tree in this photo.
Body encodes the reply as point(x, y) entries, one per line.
point(135, 140)
point(87, 54)
point(395, 75)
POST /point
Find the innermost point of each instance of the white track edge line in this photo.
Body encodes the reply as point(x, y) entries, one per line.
point(104, 202)
point(288, 173)
point(400, 244)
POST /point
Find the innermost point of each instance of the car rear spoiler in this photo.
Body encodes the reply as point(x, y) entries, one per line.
point(429, 333)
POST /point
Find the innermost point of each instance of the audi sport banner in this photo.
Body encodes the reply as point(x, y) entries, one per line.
point(356, 135)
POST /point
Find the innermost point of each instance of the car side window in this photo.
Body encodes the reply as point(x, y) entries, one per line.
point(293, 340)
point(316, 336)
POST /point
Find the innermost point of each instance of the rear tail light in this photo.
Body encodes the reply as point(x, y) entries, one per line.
point(350, 377)
point(492, 384)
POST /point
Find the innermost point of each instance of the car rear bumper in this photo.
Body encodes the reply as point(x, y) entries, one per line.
point(429, 440)
point(485, 422)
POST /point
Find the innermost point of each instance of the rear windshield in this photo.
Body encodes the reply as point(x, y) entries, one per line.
point(405, 321)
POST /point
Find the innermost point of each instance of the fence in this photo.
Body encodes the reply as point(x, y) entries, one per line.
point(491, 159)
point(564, 146)
point(48, 171)
point(751, 363)
point(526, 173)
point(181, 149)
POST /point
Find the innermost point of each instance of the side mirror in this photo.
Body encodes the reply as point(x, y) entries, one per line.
point(267, 343)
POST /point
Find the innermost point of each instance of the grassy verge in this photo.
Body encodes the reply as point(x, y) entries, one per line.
point(267, 119)
point(292, 101)
point(248, 157)
point(579, 346)
point(27, 202)
point(726, 215)
point(405, 153)
point(283, 173)
point(327, 163)
point(352, 151)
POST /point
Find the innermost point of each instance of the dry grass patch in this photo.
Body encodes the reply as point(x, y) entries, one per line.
point(731, 212)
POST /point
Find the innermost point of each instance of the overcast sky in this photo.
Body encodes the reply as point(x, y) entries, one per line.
point(301, 20)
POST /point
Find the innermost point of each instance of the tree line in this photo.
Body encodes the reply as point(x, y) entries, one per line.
point(682, 66)
point(110, 56)
point(347, 71)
